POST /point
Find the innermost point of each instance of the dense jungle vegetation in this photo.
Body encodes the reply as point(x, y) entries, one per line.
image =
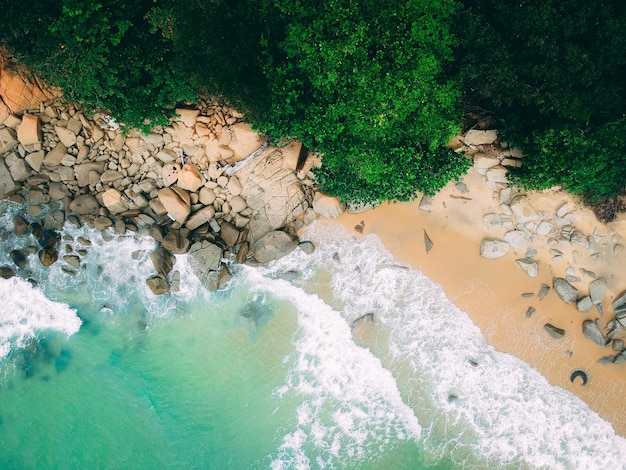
point(377, 86)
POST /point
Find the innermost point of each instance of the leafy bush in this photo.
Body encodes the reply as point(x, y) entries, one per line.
point(103, 55)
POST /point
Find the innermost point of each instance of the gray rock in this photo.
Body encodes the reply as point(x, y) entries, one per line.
point(428, 243)
point(584, 304)
point(492, 221)
point(8, 186)
point(597, 290)
point(567, 292)
point(85, 205)
point(158, 284)
point(497, 174)
point(592, 332)
point(554, 331)
point(162, 261)
point(530, 311)
point(273, 245)
point(492, 248)
point(475, 137)
point(620, 301)
point(618, 345)
point(307, 246)
point(54, 220)
point(620, 358)
point(205, 258)
point(531, 267)
point(515, 238)
point(426, 203)
point(523, 211)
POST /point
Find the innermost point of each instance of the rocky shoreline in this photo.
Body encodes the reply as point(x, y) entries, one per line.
point(206, 185)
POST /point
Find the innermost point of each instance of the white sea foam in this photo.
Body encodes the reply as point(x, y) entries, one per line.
point(26, 311)
point(349, 408)
point(499, 412)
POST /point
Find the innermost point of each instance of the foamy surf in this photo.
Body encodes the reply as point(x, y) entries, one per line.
point(478, 408)
point(26, 311)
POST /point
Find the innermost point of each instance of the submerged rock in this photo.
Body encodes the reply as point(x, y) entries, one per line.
point(273, 246)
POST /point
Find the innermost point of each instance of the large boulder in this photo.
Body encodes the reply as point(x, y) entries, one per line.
point(48, 256)
point(244, 141)
point(189, 178)
point(592, 332)
point(523, 211)
point(85, 205)
point(200, 217)
point(176, 202)
point(597, 290)
point(162, 261)
point(492, 248)
point(114, 201)
point(8, 186)
point(567, 292)
point(274, 245)
point(327, 206)
point(29, 130)
point(158, 284)
point(475, 137)
point(530, 266)
point(205, 258)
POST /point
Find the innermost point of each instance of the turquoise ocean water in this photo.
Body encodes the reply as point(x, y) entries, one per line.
point(96, 372)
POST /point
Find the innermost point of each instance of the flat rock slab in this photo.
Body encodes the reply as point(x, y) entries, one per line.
point(492, 248)
point(274, 245)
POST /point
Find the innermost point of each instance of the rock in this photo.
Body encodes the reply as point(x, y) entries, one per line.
point(102, 223)
point(29, 130)
point(307, 246)
point(244, 141)
point(562, 210)
point(273, 246)
point(523, 211)
point(237, 204)
point(187, 116)
point(554, 331)
point(19, 257)
point(515, 238)
point(480, 137)
point(242, 254)
point(584, 304)
point(114, 201)
point(544, 228)
point(48, 256)
point(58, 191)
point(618, 345)
point(567, 292)
point(170, 173)
point(205, 258)
point(175, 243)
point(327, 206)
point(72, 260)
point(428, 243)
point(206, 196)
point(18, 168)
point(234, 186)
point(367, 319)
point(110, 176)
point(597, 290)
point(483, 162)
point(20, 227)
point(162, 261)
point(592, 332)
point(35, 160)
point(166, 156)
point(8, 140)
point(200, 217)
point(497, 174)
point(492, 248)
point(158, 284)
point(492, 221)
point(426, 203)
point(85, 205)
point(531, 267)
point(6, 272)
point(55, 156)
point(176, 202)
point(66, 136)
point(54, 220)
point(8, 186)
point(229, 233)
point(189, 178)
point(620, 358)
point(83, 170)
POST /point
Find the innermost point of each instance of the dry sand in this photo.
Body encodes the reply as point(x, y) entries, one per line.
point(490, 290)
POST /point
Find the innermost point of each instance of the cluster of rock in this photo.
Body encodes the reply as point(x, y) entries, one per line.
point(521, 224)
point(205, 184)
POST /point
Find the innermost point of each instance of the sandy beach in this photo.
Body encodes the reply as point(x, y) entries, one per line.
point(490, 290)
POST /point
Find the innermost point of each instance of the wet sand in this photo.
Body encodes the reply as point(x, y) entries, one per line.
point(490, 290)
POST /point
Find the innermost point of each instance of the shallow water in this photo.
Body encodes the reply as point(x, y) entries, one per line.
point(269, 373)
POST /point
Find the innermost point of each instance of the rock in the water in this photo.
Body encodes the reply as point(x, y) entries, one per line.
point(162, 261)
point(174, 243)
point(367, 319)
point(597, 290)
point(177, 203)
point(327, 206)
point(273, 245)
point(85, 205)
point(592, 332)
point(6, 272)
point(554, 331)
point(205, 259)
point(48, 256)
point(531, 267)
point(307, 246)
point(584, 304)
point(567, 292)
point(19, 257)
point(54, 220)
point(158, 284)
point(20, 226)
point(492, 248)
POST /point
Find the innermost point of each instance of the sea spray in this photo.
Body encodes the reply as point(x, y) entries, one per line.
point(478, 408)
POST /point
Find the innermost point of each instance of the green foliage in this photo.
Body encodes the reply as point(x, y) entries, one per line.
point(104, 55)
point(553, 71)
